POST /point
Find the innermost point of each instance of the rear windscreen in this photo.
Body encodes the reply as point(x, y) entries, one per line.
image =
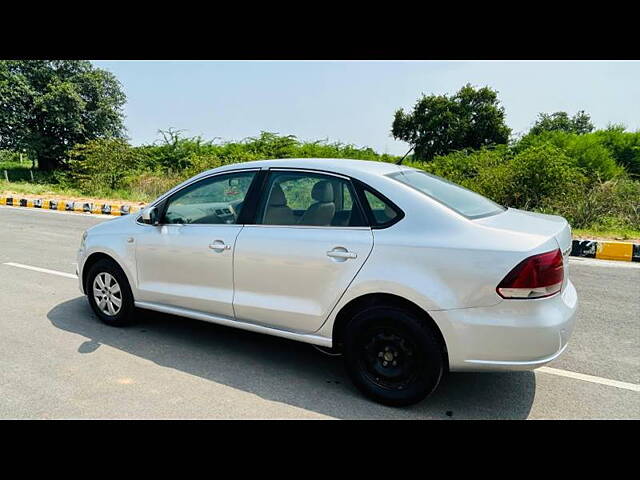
point(460, 199)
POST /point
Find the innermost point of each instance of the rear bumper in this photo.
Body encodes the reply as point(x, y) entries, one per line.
point(512, 335)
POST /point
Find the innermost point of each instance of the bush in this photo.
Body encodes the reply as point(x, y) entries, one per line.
point(177, 154)
point(595, 160)
point(522, 181)
point(172, 153)
point(463, 167)
point(144, 172)
point(147, 186)
point(580, 177)
point(538, 174)
point(9, 156)
point(484, 171)
point(607, 205)
point(624, 147)
point(101, 165)
point(590, 152)
point(543, 177)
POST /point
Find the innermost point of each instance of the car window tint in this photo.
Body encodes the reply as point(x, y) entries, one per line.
point(297, 191)
point(346, 197)
point(382, 212)
point(459, 199)
point(310, 199)
point(215, 200)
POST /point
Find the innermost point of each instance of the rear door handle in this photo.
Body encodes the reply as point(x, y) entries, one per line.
point(219, 246)
point(341, 253)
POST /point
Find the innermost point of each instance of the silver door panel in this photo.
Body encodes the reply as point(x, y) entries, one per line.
point(292, 277)
point(188, 266)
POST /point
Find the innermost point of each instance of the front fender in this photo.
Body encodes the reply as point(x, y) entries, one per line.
point(117, 248)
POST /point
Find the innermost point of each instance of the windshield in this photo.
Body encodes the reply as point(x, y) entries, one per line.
point(463, 201)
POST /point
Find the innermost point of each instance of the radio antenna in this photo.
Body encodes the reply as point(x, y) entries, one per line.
point(399, 162)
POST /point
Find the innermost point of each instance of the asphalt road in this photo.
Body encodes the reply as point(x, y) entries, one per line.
point(58, 361)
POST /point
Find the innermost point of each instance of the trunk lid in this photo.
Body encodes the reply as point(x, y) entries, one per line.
point(533, 223)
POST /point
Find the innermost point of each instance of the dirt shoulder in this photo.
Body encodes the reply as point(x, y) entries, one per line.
point(609, 238)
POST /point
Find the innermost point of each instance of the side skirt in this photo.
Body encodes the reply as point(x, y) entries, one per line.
point(206, 317)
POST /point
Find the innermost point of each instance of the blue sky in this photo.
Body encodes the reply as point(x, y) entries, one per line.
point(354, 101)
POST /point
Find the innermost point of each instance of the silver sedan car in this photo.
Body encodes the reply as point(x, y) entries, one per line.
point(406, 274)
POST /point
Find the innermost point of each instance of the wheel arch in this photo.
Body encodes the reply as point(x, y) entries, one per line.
point(370, 300)
point(94, 258)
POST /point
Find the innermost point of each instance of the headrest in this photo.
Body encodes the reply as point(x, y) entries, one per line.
point(322, 192)
point(277, 198)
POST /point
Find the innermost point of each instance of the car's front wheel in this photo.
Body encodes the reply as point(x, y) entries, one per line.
point(109, 293)
point(393, 356)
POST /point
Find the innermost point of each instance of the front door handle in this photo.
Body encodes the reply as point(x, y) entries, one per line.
point(219, 246)
point(340, 252)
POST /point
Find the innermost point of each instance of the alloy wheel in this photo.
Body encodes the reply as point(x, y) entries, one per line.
point(107, 294)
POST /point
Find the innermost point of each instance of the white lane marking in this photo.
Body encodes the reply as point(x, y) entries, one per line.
point(42, 270)
point(589, 378)
point(548, 370)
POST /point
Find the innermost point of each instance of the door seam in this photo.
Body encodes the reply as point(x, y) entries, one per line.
point(233, 274)
point(373, 240)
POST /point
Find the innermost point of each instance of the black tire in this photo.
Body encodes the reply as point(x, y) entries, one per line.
point(124, 315)
point(391, 334)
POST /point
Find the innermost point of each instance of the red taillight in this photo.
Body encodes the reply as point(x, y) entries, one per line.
point(535, 277)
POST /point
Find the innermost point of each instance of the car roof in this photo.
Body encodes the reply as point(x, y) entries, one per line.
point(349, 167)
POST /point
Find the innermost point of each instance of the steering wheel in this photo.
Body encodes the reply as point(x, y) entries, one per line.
point(233, 213)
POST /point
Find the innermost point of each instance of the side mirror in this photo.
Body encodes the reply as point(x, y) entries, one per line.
point(150, 216)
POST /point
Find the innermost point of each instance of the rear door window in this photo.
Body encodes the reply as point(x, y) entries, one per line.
point(308, 199)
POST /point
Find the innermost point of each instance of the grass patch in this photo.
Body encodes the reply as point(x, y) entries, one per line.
point(64, 193)
point(46, 184)
point(26, 188)
point(17, 171)
point(619, 234)
point(139, 187)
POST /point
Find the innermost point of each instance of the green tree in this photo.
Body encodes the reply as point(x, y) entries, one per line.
point(48, 106)
point(439, 124)
point(580, 123)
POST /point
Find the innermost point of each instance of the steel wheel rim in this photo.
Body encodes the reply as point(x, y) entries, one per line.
point(388, 345)
point(107, 294)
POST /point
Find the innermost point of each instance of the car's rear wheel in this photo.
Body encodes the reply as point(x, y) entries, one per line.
point(393, 356)
point(109, 293)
